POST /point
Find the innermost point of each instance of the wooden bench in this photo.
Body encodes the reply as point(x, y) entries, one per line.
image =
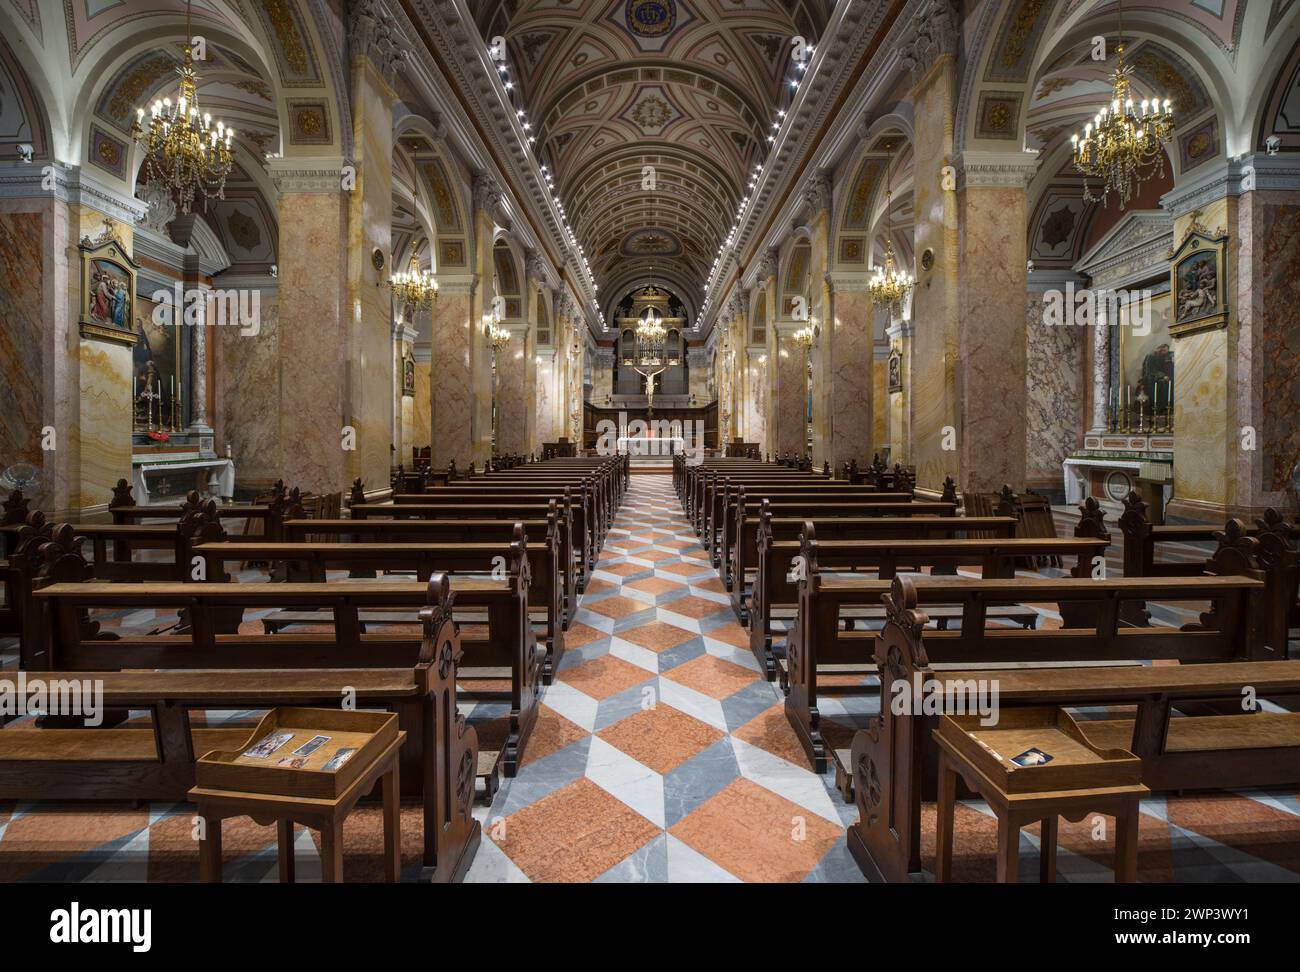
point(72, 640)
point(888, 759)
point(1097, 635)
point(298, 562)
point(156, 762)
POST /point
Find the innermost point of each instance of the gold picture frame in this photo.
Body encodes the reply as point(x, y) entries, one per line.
point(1198, 281)
point(108, 298)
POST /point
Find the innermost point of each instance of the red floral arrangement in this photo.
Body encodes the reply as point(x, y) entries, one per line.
point(160, 437)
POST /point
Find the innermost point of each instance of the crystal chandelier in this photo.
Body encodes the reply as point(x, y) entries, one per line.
point(498, 336)
point(651, 328)
point(804, 337)
point(891, 283)
point(415, 287)
point(184, 152)
point(1123, 146)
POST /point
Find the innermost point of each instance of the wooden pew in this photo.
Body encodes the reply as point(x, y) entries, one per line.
point(285, 504)
point(157, 762)
point(742, 501)
point(554, 529)
point(780, 542)
point(499, 509)
point(70, 640)
point(888, 759)
point(299, 562)
point(1097, 634)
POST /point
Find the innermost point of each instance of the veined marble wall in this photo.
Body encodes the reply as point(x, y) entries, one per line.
point(791, 388)
point(313, 344)
point(22, 351)
point(422, 403)
point(511, 404)
point(879, 402)
point(852, 359)
point(1206, 431)
point(545, 399)
point(992, 338)
point(1274, 238)
point(932, 390)
point(1056, 401)
point(453, 391)
point(248, 376)
point(755, 402)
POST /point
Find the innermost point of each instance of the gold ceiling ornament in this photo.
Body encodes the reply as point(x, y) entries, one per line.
point(185, 153)
point(415, 287)
point(890, 283)
point(1123, 145)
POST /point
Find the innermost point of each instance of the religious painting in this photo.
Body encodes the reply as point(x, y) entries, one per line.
point(1146, 356)
point(1199, 283)
point(408, 375)
point(160, 376)
point(107, 291)
point(895, 370)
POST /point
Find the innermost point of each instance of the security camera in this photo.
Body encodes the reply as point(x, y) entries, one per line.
point(1273, 144)
point(25, 152)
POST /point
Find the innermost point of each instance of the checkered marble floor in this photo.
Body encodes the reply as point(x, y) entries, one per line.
point(659, 755)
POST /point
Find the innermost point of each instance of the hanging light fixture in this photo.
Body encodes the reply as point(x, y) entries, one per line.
point(1123, 145)
point(498, 336)
point(804, 337)
point(184, 152)
point(415, 287)
point(891, 283)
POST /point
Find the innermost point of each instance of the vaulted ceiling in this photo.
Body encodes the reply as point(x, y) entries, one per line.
point(689, 88)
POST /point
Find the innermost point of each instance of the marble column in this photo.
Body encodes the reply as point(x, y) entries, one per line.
point(511, 400)
point(755, 362)
point(453, 332)
point(545, 430)
point(488, 202)
point(932, 397)
point(404, 438)
point(848, 343)
point(824, 358)
point(1266, 391)
point(900, 336)
point(422, 403)
point(789, 385)
point(1101, 351)
point(602, 375)
point(991, 341)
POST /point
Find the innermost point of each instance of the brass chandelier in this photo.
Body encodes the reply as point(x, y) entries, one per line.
point(184, 152)
point(498, 336)
point(891, 283)
point(1123, 146)
point(414, 287)
point(805, 337)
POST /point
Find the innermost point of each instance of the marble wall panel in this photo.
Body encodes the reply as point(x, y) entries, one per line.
point(791, 401)
point(248, 397)
point(853, 364)
point(450, 380)
point(422, 407)
point(105, 428)
point(879, 404)
point(313, 345)
point(511, 404)
point(1277, 295)
point(22, 353)
point(544, 424)
point(992, 338)
point(755, 402)
point(1055, 417)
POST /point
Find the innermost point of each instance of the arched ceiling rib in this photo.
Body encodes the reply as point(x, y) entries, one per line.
point(689, 89)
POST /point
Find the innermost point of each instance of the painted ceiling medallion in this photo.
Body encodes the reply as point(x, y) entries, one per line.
point(651, 18)
point(651, 242)
point(651, 111)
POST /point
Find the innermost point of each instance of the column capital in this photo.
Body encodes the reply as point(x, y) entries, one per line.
point(461, 284)
point(488, 196)
point(933, 33)
point(767, 266)
point(371, 35)
point(306, 173)
point(1008, 170)
point(817, 192)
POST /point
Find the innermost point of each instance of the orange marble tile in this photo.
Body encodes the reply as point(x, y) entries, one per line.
point(551, 733)
point(685, 569)
point(575, 834)
point(712, 676)
point(695, 607)
point(770, 730)
point(757, 835)
point(54, 833)
point(616, 607)
point(604, 676)
point(581, 634)
point(597, 586)
point(622, 570)
point(713, 584)
point(654, 585)
point(661, 738)
point(653, 555)
point(657, 636)
point(730, 633)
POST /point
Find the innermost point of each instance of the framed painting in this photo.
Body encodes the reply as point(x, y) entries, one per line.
point(1146, 357)
point(895, 370)
point(1199, 283)
point(408, 374)
point(107, 292)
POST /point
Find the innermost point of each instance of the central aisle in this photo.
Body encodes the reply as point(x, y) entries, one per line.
point(659, 753)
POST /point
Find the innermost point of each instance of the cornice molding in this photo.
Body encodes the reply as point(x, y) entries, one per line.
point(1014, 170)
point(318, 173)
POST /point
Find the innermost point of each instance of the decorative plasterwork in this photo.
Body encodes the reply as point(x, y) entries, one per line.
point(1134, 249)
point(307, 174)
point(1005, 169)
